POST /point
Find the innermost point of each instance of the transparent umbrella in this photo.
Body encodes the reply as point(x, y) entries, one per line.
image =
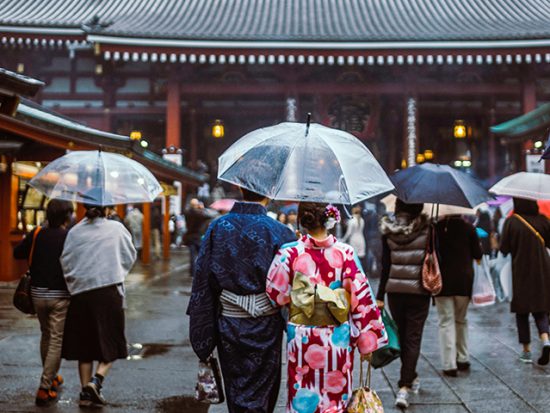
point(302, 162)
point(527, 185)
point(97, 178)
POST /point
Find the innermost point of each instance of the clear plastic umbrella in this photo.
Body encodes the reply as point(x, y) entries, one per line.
point(528, 185)
point(300, 162)
point(97, 178)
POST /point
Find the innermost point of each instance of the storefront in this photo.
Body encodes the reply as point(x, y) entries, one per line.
point(30, 137)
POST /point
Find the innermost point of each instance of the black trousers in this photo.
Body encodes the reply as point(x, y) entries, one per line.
point(524, 332)
point(409, 312)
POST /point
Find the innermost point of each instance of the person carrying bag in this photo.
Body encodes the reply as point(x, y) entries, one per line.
point(364, 399)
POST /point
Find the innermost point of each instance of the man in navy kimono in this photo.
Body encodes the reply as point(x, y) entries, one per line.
point(228, 309)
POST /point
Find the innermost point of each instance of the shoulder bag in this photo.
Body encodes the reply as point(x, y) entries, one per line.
point(533, 230)
point(22, 299)
point(431, 274)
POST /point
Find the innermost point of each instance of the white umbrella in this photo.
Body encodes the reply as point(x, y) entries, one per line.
point(444, 209)
point(97, 178)
point(302, 162)
point(527, 185)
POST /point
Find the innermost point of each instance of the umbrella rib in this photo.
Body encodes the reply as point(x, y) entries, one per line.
point(280, 183)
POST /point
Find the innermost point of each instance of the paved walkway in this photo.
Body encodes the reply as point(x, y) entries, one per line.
point(160, 377)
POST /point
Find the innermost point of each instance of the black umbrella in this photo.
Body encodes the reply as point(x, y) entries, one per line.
point(438, 184)
point(546, 154)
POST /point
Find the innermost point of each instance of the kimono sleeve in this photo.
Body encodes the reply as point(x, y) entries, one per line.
point(368, 331)
point(279, 277)
point(203, 305)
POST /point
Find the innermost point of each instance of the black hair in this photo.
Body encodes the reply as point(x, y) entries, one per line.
point(312, 215)
point(251, 196)
point(58, 212)
point(525, 207)
point(413, 210)
point(94, 211)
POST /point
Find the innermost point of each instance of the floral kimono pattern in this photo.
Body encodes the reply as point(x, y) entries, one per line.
point(320, 358)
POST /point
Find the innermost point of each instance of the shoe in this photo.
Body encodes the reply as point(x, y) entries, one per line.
point(545, 357)
point(451, 373)
point(526, 357)
point(415, 388)
point(462, 366)
point(93, 388)
point(85, 399)
point(57, 382)
point(401, 399)
point(45, 397)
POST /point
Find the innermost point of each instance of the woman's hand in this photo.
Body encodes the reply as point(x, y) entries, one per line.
point(366, 357)
point(380, 304)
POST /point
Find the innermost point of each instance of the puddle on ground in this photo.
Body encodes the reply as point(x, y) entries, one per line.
point(180, 404)
point(137, 351)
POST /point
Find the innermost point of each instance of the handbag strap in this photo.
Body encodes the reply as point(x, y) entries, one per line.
point(36, 231)
point(531, 228)
point(362, 382)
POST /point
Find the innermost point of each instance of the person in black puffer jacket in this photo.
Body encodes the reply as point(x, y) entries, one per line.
point(49, 292)
point(404, 240)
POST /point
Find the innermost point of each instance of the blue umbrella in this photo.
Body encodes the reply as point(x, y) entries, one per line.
point(438, 184)
point(287, 209)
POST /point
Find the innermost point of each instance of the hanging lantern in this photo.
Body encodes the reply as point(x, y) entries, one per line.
point(135, 135)
point(459, 131)
point(218, 130)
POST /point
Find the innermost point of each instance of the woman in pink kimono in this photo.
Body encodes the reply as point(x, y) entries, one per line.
point(331, 311)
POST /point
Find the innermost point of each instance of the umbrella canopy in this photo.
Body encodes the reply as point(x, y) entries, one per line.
point(389, 202)
point(97, 178)
point(297, 162)
point(527, 185)
point(438, 184)
point(224, 205)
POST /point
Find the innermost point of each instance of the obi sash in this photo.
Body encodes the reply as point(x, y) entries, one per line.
point(317, 305)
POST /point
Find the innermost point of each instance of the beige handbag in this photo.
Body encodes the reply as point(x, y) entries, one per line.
point(364, 399)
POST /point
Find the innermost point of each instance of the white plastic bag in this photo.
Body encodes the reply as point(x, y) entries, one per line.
point(483, 291)
point(506, 278)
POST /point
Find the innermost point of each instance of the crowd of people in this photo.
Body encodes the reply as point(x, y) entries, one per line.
point(257, 274)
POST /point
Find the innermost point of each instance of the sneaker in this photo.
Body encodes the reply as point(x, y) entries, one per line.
point(85, 399)
point(462, 366)
point(57, 382)
point(526, 357)
point(545, 357)
point(415, 388)
point(451, 373)
point(401, 399)
point(93, 388)
point(45, 397)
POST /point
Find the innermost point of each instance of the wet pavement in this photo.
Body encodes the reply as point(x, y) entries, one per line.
point(160, 374)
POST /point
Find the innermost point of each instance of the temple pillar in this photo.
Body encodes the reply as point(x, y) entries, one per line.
point(492, 146)
point(193, 131)
point(173, 115)
point(146, 239)
point(165, 230)
point(9, 269)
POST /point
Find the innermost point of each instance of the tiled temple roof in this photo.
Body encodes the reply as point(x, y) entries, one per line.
point(287, 20)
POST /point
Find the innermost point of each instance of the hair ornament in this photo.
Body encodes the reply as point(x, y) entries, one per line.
point(333, 216)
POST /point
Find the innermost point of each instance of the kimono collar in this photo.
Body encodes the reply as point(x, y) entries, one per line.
point(311, 242)
point(249, 208)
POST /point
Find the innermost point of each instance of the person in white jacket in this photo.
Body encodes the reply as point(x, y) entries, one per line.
point(355, 235)
point(97, 256)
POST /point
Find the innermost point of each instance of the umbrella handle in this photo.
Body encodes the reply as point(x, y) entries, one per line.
point(308, 122)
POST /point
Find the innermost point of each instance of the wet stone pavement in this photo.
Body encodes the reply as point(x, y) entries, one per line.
point(160, 374)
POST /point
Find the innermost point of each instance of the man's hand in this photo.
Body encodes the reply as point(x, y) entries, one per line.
point(380, 304)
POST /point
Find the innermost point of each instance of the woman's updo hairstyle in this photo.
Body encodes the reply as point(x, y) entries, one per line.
point(312, 216)
point(94, 211)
